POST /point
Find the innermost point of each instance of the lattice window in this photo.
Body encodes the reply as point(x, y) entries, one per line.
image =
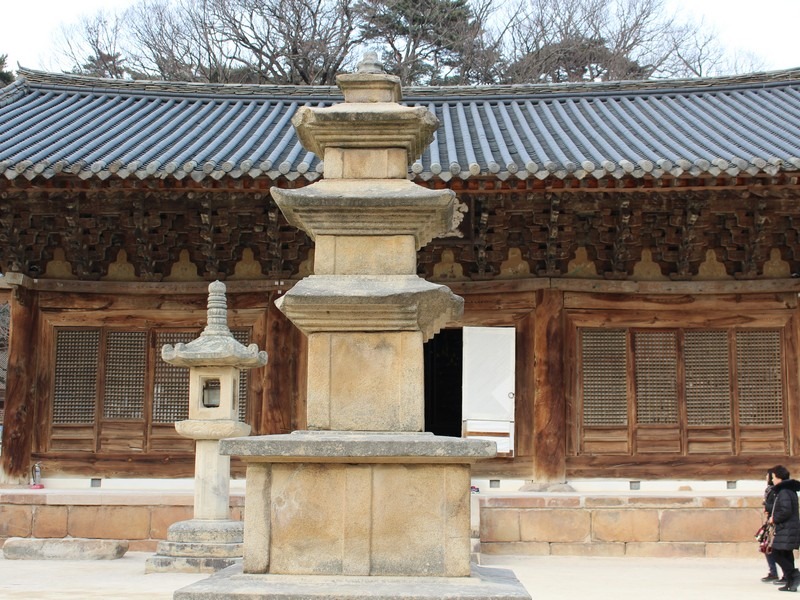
point(758, 377)
point(171, 383)
point(708, 381)
point(126, 361)
point(682, 380)
point(243, 337)
point(75, 389)
point(604, 376)
point(656, 368)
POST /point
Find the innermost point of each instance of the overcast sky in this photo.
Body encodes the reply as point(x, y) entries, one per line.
point(767, 29)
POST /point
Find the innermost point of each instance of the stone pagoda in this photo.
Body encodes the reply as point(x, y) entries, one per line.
point(363, 504)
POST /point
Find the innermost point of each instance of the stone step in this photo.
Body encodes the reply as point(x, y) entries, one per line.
point(200, 549)
point(186, 564)
point(63, 549)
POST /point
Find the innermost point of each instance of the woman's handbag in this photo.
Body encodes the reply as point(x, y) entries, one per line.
point(764, 536)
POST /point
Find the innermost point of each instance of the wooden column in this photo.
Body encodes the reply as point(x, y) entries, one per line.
point(20, 386)
point(549, 401)
point(525, 386)
point(283, 406)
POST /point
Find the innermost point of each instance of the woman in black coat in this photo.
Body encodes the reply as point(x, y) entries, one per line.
point(787, 526)
point(769, 502)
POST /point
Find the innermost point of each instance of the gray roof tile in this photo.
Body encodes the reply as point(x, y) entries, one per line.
point(91, 127)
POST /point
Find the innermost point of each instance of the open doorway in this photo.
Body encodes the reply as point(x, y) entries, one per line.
point(443, 366)
point(469, 384)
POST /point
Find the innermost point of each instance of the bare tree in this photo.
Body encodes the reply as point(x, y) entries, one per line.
point(177, 41)
point(240, 41)
point(92, 45)
point(698, 54)
point(432, 41)
point(596, 40)
point(289, 41)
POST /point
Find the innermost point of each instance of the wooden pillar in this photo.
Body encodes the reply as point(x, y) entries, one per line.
point(549, 401)
point(20, 386)
point(525, 386)
point(283, 404)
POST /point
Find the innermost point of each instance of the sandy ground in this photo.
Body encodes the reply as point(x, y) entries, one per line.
point(546, 577)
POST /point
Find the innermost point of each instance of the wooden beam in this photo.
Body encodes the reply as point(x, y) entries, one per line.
point(671, 466)
point(549, 399)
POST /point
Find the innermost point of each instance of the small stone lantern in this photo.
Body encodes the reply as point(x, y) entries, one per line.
point(211, 540)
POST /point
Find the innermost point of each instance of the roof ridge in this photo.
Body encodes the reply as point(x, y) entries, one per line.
point(43, 79)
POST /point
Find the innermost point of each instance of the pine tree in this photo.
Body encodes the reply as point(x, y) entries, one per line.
point(6, 77)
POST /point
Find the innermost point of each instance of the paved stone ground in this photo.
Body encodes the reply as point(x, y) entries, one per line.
point(546, 578)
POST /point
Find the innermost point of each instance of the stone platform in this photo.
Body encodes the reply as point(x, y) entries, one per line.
point(232, 584)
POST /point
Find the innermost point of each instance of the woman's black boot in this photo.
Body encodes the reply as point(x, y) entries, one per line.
point(792, 581)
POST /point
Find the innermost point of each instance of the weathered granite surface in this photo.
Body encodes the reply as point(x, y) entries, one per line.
point(485, 583)
point(63, 549)
point(341, 446)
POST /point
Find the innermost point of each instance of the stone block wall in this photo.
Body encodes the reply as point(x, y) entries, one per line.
point(629, 525)
point(141, 517)
point(524, 524)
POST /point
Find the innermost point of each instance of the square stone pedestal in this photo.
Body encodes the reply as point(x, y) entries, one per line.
point(339, 514)
point(367, 519)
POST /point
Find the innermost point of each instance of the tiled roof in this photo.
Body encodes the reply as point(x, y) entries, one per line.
point(101, 128)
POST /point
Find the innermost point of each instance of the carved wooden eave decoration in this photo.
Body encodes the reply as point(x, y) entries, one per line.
point(616, 179)
point(97, 229)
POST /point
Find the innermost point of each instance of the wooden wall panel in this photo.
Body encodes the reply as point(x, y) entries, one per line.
point(759, 440)
point(72, 438)
point(121, 436)
point(164, 438)
point(606, 440)
point(709, 440)
point(651, 439)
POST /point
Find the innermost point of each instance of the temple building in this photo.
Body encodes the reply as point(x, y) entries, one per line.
point(628, 254)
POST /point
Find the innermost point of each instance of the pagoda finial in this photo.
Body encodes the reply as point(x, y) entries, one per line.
point(217, 314)
point(370, 65)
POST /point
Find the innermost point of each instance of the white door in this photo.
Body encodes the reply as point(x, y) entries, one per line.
point(488, 385)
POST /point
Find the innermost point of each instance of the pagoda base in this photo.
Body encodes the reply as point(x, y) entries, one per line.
point(198, 546)
point(485, 583)
point(344, 503)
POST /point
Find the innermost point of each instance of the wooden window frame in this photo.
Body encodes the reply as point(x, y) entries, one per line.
point(626, 463)
point(155, 436)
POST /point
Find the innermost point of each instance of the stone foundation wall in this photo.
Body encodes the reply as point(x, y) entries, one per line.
point(142, 518)
point(523, 524)
point(630, 525)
